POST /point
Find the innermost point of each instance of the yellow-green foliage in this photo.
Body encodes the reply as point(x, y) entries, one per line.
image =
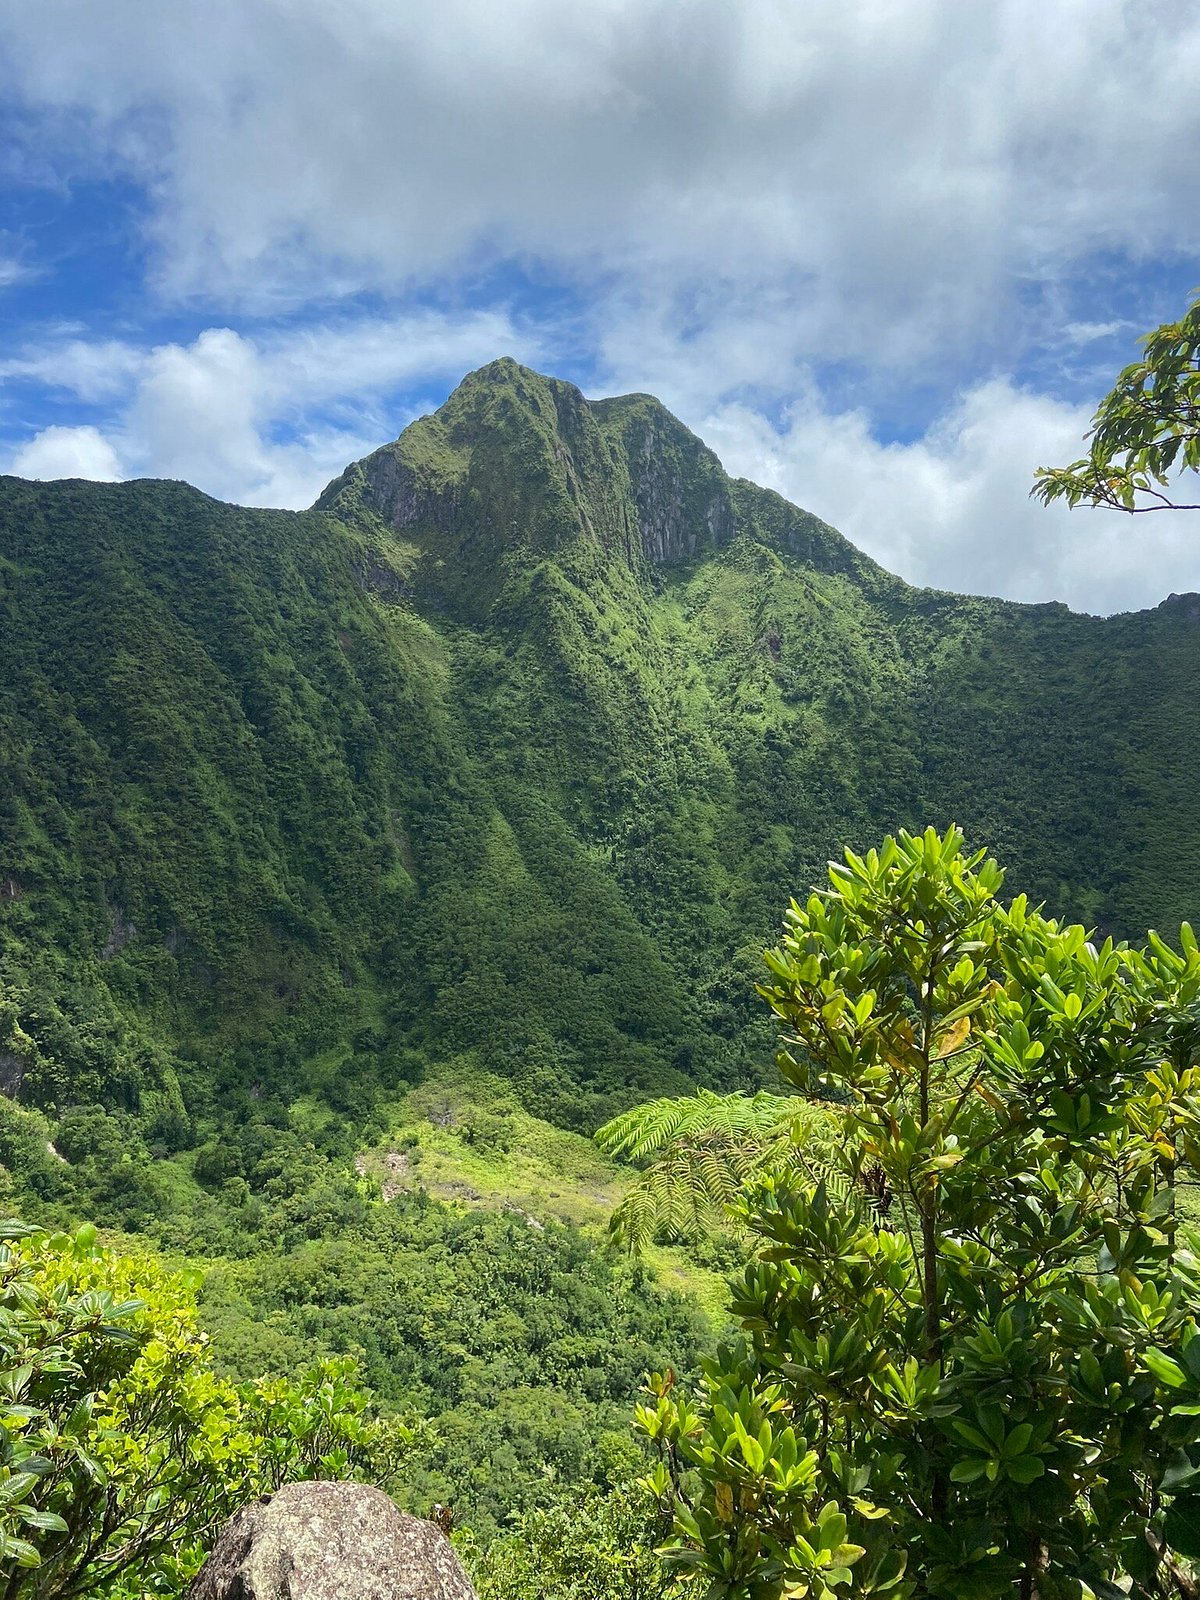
point(464, 1137)
point(120, 1447)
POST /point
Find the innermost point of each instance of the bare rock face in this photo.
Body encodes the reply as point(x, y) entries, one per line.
point(674, 516)
point(330, 1541)
point(12, 1071)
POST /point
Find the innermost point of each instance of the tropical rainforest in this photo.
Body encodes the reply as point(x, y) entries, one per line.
point(358, 864)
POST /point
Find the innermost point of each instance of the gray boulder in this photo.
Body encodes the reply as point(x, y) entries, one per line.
point(330, 1541)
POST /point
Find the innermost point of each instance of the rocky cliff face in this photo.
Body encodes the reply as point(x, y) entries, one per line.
point(621, 472)
point(397, 492)
point(680, 493)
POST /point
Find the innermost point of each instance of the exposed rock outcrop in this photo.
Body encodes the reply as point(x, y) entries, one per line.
point(679, 511)
point(12, 1071)
point(330, 1541)
point(1187, 604)
point(120, 931)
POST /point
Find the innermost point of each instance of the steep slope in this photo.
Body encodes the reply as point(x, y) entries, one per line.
point(242, 816)
point(720, 691)
point(515, 745)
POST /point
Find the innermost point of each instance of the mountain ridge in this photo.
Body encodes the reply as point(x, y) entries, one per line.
point(622, 414)
point(674, 500)
point(514, 747)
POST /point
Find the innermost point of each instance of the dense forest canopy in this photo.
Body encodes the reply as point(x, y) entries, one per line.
point(351, 859)
point(512, 746)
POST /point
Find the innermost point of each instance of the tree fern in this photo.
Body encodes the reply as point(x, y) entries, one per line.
point(701, 1152)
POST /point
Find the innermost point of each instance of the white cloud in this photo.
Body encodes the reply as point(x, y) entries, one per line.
point(952, 510)
point(67, 453)
point(1082, 333)
point(92, 371)
point(13, 271)
point(896, 169)
point(691, 350)
point(264, 421)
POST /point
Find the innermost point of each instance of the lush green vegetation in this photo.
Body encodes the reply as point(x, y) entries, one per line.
point(968, 1362)
point(1146, 430)
point(121, 1450)
point(592, 1547)
point(487, 1367)
point(463, 1300)
point(388, 847)
point(509, 748)
point(971, 1355)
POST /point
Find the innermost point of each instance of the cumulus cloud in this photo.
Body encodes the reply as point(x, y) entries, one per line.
point(907, 166)
point(59, 452)
point(264, 421)
point(951, 509)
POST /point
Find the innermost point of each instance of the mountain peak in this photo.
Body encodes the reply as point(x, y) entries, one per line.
point(520, 466)
point(501, 370)
point(504, 387)
point(516, 459)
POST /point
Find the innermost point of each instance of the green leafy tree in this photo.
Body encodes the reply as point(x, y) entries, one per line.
point(972, 1369)
point(598, 1545)
point(1146, 429)
point(120, 1448)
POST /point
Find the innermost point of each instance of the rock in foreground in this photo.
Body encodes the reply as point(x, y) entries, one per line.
point(330, 1541)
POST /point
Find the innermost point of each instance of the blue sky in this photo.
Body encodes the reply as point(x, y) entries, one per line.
point(884, 258)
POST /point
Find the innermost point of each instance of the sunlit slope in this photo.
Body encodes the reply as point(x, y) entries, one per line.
point(517, 746)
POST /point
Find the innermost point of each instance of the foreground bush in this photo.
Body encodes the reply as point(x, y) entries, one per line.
point(593, 1545)
point(120, 1449)
point(971, 1362)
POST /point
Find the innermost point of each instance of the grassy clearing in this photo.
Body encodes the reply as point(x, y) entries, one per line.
point(463, 1137)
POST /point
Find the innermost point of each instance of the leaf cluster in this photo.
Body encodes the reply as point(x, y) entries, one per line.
point(1146, 429)
point(121, 1449)
point(979, 1377)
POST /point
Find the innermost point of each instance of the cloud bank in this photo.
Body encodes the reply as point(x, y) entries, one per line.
point(901, 160)
point(952, 509)
point(889, 252)
point(264, 422)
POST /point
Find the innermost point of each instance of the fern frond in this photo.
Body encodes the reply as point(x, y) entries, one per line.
point(647, 1129)
point(702, 1154)
point(677, 1200)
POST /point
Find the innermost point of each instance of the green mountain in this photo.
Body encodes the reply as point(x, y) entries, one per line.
point(513, 747)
